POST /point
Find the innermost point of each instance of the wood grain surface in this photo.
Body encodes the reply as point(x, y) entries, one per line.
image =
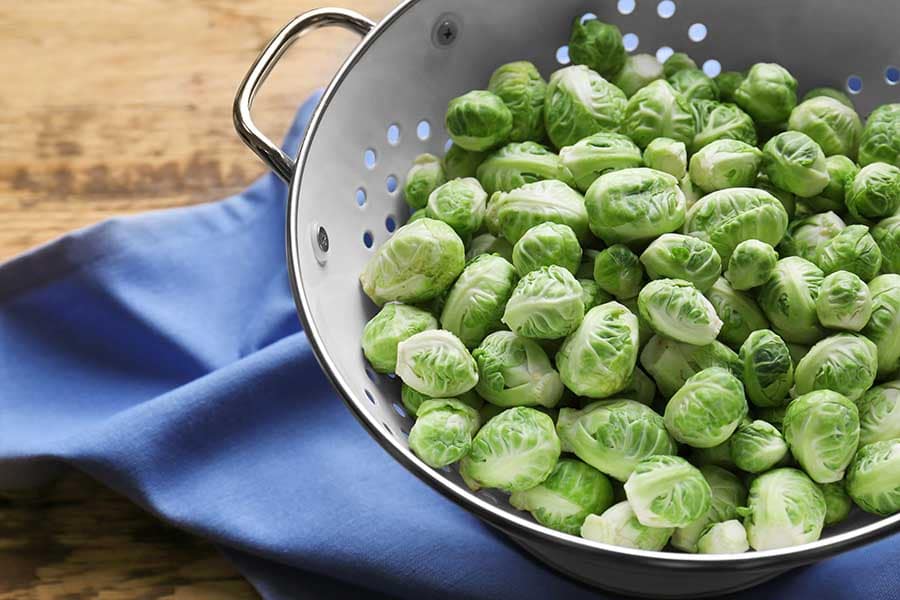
point(112, 108)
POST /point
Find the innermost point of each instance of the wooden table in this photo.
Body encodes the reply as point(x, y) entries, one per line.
point(113, 108)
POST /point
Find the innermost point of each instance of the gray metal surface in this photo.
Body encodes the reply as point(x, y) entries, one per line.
point(403, 73)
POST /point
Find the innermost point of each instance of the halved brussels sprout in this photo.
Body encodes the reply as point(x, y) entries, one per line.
point(804, 236)
point(684, 257)
point(657, 110)
point(794, 162)
point(515, 371)
point(597, 45)
point(412, 399)
point(827, 92)
point(414, 265)
point(640, 70)
point(634, 204)
point(884, 324)
point(545, 245)
point(564, 500)
point(668, 156)
point(724, 164)
point(546, 304)
point(788, 300)
point(872, 480)
point(822, 431)
point(844, 302)
point(617, 270)
point(679, 61)
point(785, 508)
point(513, 213)
point(768, 93)
point(834, 126)
point(728, 82)
point(478, 121)
point(728, 493)
point(693, 84)
point(460, 204)
point(874, 192)
point(514, 165)
point(580, 103)
point(881, 137)
point(487, 243)
point(393, 324)
point(619, 526)
point(425, 176)
point(751, 265)
point(523, 90)
point(727, 537)
point(845, 363)
point(841, 171)
point(442, 433)
point(667, 491)
point(768, 369)
point(437, 364)
point(757, 447)
point(887, 235)
point(476, 301)
point(460, 163)
point(676, 309)
point(837, 502)
point(707, 409)
point(728, 217)
point(853, 250)
point(598, 154)
point(672, 363)
point(879, 413)
point(720, 121)
point(514, 451)
point(614, 435)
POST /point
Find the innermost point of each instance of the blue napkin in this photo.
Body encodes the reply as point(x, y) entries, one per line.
point(161, 354)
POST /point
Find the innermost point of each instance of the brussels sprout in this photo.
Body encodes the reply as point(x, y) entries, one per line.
point(419, 214)
point(634, 204)
point(425, 176)
point(822, 431)
point(676, 309)
point(592, 295)
point(546, 304)
point(768, 94)
point(787, 199)
point(841, 171)
point(694, 84)
point(672, 363)
point(844, 302)
point(875, 192)
point(773, 415)
point(657, 110)
point(518, 211)
point(887, 235)
point(707, 409)
point(679, 61)
point(727, 537)
point(845, 363)
point(514, 451)
point(515, 371)
point(728, 493)
point(478, 298)
point(599, 154)
point(668, 156)
point(853, 250)
point(728, 217)
point(667, 491)
point(717, 121)
point(580, 103)
point(523, 90)
point(563, 501)
point(804, 236)
point(788, 300)
point(728, 82)
point(460, 204)
point(479, 121)
point(884, 324)
point(514, 165)
point(395, 323)
point(597, 45)
point(834, 126)
point(872, 480)
point(617, 270)
point(640, 388)
point(460, 163)
point(837, 502)
point(619, 526)
point(545, 245)
point(751, 265)
point(880, 140)
point(487, 243)
point(442, 433)
point(757, 447)
point(794, 162)
point(437, 364)
point(414, 265)
point(768, 369)
point(692, 193)
point(826, 92)
point(677, 256)
point(640, 70)
point(614, 435)
point(725, 164)
point(879, 413)
point(412, 399)
point(598, 359)
point(785, 508)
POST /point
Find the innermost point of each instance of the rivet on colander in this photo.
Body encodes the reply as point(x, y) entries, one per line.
point(322, 239)
point(445, 31)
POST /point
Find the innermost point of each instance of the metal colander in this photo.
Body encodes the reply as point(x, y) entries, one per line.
point(386, 105)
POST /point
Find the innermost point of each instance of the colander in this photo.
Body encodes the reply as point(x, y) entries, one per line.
point(386, 105)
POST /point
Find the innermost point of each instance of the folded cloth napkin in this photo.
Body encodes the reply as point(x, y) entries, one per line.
point(161, 354)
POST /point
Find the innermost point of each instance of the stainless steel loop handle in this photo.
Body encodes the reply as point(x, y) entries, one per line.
point(269, 152)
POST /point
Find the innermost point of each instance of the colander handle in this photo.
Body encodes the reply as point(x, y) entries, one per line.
point(269, 152)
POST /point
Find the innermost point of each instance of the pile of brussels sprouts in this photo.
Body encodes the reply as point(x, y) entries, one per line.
point(655, 307)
